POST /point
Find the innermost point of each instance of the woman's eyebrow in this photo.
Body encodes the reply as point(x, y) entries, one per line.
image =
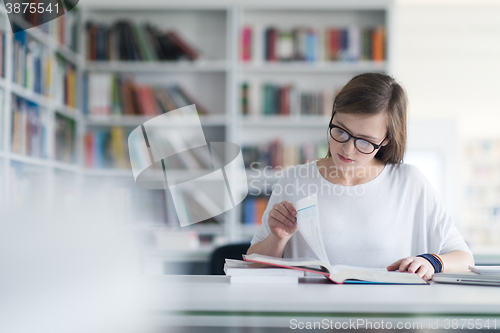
point(363, 136)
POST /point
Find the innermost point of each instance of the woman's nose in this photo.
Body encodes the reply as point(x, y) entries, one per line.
point(348, 147)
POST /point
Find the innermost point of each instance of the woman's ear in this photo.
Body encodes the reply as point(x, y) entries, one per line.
point(386, 141)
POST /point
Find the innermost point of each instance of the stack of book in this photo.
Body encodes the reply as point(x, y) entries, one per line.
point(110, 94)
point(276, 154)
point(353, 43)
point(131, 41)
point(240, 271)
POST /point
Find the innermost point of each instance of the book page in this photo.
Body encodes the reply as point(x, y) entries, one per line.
point(309, 227)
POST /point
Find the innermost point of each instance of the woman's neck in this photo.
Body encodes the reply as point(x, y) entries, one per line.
point(349, 176)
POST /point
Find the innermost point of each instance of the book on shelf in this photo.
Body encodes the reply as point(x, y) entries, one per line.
point(110, 94)
point(106, 148)
point(277, 154)
point(131, 41)
point(65, 136)
point(246, 43)
point(28, 128)
point(66, 84)
point(31, 64)
point(274, 99)
point(3, 41)
point(339, 273)
point(253, 208)
point(352, 43)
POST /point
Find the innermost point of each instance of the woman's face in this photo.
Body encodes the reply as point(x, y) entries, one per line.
point(372, 128)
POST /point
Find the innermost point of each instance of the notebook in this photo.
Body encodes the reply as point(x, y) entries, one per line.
point(467, 278)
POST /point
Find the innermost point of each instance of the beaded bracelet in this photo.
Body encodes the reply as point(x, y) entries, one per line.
point(435, 262)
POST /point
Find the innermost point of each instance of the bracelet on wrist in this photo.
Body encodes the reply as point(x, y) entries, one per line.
point(435, 262)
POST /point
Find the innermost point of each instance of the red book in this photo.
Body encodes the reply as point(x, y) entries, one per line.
point(334, 44)
point(89, 145)
point(188, 50)
point(271, 45)
point(246, 44)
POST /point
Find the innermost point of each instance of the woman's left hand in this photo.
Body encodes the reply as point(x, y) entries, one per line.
point(418, 265)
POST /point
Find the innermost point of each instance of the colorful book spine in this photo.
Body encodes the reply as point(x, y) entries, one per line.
point(286, 100)
point(349, 44)
point(106, 148)
point(65, 137)
point(276, 154)
point(28, 128)
point(130, 41)
point(110, 94)
point(252, 209)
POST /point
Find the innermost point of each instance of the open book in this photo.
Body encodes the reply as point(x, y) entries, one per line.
point(309, 227)
point(339, 273)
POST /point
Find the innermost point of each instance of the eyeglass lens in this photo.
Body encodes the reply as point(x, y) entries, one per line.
point(342, 136)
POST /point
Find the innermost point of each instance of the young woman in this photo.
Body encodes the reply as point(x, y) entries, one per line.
point(375, 211)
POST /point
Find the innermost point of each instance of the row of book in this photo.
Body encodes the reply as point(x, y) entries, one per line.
point(353, 43)
point(106, 148)
point(65, 139)
point(66, 28)
point(252, 209)
point(274, 99)
point(109, 94)
point(3, 41)
point(131, 41)
point(32, 64)
point(51, 18)
point(276, 154)
point(66, 83)
point(29, 132)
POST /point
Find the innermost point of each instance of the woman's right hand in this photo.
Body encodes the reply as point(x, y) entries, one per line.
point(283, 220)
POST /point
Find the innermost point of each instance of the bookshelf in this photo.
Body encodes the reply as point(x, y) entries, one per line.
point(215, 79)
point(40, 114)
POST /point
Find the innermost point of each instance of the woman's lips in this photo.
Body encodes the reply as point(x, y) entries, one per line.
point(344, 159)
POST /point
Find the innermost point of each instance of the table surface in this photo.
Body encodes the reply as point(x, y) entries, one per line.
point(214, 294)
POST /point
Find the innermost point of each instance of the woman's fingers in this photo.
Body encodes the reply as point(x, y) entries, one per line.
point(414, 267)
point(278, 216)
point(286, 209)
point(289, 207)
point(403, 266)
point(394, 265)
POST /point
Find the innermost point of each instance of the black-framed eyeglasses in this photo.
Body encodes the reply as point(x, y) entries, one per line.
point(341, 135)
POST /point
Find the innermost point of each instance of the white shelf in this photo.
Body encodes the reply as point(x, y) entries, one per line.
point(129, 121)
point(67, 111)
point(36, 161)
point(30, 95)
point(277, 121)
point(314, 67)
point(158, 67)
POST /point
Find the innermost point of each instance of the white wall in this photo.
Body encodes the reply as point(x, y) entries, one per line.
point(447, 55)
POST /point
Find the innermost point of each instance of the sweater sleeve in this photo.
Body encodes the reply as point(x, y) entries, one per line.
point(277, 196)
point(442, 234)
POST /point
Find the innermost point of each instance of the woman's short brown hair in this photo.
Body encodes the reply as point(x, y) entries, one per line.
point(373, 93)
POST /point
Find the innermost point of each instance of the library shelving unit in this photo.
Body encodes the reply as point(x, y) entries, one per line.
point(238, 70)
point(40, 116)
point(253, 56)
